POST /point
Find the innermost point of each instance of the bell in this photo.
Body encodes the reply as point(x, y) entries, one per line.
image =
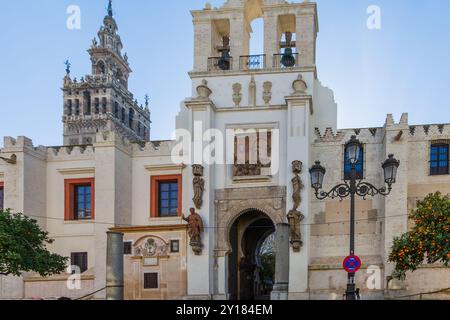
point(224, 61)
point(288, 59)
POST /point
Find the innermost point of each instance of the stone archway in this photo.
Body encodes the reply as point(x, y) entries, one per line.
point(235, 202)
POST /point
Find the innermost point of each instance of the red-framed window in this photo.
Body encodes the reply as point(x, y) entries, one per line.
point(79, 198)
point(2, 195)
point(165, 196)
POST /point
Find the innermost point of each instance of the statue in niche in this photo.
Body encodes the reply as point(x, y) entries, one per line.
point(199, 185)
point(195, 229)
point(237, 95)
point(267, 93)
point(294, 216)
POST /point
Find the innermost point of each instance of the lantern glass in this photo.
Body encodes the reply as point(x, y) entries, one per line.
point(390, 167)
point(353, 148)
point(317, 173)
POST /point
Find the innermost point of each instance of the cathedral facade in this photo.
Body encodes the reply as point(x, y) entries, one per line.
point(196, 212)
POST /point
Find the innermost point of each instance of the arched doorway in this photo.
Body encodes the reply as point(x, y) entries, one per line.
point(251, 263)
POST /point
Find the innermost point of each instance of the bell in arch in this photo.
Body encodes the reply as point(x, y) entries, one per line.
point(288, 59)
point(224, 61)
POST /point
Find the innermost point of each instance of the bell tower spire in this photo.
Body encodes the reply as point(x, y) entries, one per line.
point(101, 101)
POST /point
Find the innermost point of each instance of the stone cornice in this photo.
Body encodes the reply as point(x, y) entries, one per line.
point(74, 171)
point(231, 73)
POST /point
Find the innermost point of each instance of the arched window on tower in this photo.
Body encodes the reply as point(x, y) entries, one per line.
point(116, 109)
point(131, 118)
point(87, 103)
point(255, 59)
point(97, 105)
point(77, 107)
point(69, 107)
point(104, 105)
point(101, 69)
point(123, 115)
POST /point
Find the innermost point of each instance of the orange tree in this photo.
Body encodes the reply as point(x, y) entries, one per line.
point(428, 241)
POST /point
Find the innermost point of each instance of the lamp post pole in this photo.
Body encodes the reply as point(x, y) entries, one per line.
point(353, 187)
point(351, 284)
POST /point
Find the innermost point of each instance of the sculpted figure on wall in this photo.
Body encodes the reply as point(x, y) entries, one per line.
point(295, 217)
point(199, 185)
point(237, 95)
point(267, 93)
point(195, 230)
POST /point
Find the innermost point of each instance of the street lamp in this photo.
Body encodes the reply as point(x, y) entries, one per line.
point(353, 187)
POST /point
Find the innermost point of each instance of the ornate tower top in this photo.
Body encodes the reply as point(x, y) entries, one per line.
point(101, 101)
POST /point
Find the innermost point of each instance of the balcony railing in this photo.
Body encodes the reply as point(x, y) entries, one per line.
point(282, 61)
point(253, 62)
point(220, 64)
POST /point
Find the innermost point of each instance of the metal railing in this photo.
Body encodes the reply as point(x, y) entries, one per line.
point(220, 64)
point(252, 62)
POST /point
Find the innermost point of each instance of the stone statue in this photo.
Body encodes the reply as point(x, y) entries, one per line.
point(94, 43)
point(295, 217)
point(297, 185)
point(195, 229)
point(68, 65)
point(199, 185)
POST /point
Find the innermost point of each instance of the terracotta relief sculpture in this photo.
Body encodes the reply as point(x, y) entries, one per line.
point(237, 95)
point(295, 217)
point(199, 185)
point(195, 229)
point(267, 93)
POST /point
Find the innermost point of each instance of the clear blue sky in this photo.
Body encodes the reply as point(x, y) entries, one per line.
point(404, 67)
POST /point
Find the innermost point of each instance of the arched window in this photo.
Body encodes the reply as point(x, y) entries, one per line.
point(77, 107)
point(359, 166)
point(101, 67)
point(97, 106)
point(439, 159)
point(104, 103)
point(131, 118)
point(123, 115)
point(116, 109)
point(69, 107)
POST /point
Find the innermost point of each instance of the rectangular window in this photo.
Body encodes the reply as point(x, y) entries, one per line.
point(151, 281)
point(79, 259)
point(439, 159)
point(128, 248)
point(168, 199)
point(82, 202)
point(79, 199)
point(359, 166)
point(174, 246)
point(1, 196)
point(165, 196)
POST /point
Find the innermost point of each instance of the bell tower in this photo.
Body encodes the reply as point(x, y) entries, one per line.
point(259, 101)
point(101, 101)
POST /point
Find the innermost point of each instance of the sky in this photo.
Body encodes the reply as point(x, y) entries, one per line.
point(402, 67)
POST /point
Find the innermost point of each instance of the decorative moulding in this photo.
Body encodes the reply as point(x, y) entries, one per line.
point(76, 171)
point(167, 167)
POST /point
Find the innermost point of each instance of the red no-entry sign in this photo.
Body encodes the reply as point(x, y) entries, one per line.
point(352, 264)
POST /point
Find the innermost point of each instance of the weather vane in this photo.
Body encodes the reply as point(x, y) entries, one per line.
point(67, 63)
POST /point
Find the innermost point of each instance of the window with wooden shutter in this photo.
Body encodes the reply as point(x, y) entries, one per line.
point(151, 281)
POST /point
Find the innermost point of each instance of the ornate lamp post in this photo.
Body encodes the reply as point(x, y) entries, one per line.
point(353, 187)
